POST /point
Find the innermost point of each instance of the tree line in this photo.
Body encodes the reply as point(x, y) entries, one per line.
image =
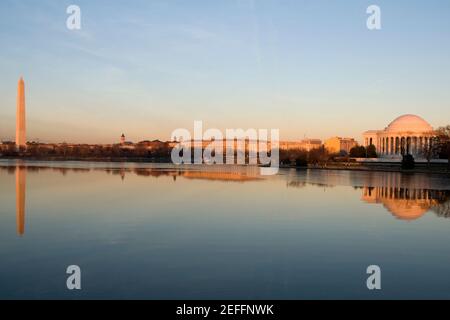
point(161, 151)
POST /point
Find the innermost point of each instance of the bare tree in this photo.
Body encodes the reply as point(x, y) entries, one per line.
point(430, 149)
point(443, 143)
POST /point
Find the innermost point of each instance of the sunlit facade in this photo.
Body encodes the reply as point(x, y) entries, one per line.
point(20, 116)
point(339, 144)
point(408, 134)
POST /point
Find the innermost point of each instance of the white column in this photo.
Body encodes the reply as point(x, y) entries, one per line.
point(415, 145)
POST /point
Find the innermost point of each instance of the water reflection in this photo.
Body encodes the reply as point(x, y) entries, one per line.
point(213, 175)
point(224, 174)
point(21, 175)
point(406, 197)
point(405, 203)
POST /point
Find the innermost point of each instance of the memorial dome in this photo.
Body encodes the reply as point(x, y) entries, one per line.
point(409, 123)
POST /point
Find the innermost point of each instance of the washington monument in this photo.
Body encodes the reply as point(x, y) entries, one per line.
point(21, 141)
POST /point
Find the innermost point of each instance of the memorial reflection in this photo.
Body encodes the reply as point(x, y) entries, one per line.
point(406, 196)
point(408, 204)
point(21, 175)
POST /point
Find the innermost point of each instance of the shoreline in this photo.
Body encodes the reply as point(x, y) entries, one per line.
point(430, 170)
point(372, 167)
point(88, 159)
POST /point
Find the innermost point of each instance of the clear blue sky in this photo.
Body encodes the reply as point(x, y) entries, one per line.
point(147, 67)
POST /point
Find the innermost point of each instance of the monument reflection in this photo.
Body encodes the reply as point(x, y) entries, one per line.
point(21, 175)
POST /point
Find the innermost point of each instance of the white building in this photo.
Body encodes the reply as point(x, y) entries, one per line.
point(408, 134)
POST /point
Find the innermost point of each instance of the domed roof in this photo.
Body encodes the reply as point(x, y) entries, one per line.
point(409, 122)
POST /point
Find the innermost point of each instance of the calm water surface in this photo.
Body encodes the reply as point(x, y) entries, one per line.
point(164, 232)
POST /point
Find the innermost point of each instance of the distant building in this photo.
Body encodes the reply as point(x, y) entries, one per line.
point(309, 144)
point(152, 145)
point(290, 145)
point(129, 145)
point(6, 146)
point(306, 144)
point(407, 134)
point(339, 144)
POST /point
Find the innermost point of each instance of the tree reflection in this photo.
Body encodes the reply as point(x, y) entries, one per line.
point(442, 209)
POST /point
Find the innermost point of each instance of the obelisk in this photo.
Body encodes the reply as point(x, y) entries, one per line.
point(20, 116)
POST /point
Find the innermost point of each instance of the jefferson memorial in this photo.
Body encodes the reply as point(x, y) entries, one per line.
point(408, 134)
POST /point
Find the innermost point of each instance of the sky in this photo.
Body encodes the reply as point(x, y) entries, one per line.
point(147, 67)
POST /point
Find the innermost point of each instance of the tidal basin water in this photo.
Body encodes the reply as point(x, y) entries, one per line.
point(164, 232)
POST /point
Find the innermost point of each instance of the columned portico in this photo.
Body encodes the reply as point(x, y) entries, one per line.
point(408, 134)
